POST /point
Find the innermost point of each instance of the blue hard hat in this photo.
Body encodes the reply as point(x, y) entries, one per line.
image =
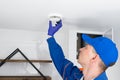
point(104, 47)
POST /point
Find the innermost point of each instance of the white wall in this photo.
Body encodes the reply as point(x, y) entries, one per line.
point(113, 72)
point(33, 44)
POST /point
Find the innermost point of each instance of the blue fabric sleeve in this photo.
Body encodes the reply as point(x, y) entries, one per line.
point(63, 66)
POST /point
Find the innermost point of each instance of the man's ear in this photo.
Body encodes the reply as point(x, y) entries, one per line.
point(94, 58)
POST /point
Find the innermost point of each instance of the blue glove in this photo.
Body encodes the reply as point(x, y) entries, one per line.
point(53, 29)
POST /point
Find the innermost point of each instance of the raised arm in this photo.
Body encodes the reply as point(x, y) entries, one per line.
point(65, 67)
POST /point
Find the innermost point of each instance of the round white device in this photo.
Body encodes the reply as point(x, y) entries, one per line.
point(54, 17)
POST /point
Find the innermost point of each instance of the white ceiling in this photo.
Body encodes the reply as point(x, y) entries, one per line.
point(33, 14)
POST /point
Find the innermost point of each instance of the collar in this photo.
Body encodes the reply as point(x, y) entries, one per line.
point(102, 76)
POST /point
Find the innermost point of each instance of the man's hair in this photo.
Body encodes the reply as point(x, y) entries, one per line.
point(102, 65)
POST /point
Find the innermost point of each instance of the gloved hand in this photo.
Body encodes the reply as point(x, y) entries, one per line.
point(53, 29)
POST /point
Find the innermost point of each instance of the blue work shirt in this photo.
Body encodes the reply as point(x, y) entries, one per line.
point(65, 67)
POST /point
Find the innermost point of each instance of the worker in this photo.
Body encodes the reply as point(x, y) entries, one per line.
point(95, 58)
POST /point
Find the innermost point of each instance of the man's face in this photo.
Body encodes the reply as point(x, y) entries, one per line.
point(85, 54)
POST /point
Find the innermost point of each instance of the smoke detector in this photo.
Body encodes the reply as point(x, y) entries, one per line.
point(55, 17)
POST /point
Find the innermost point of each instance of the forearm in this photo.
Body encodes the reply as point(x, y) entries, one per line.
point(56, 54)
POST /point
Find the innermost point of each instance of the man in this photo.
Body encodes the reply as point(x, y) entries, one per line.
point(99, 54)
